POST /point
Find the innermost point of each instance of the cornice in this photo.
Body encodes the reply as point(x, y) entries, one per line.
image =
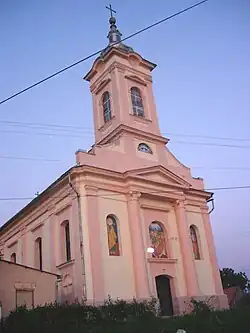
point(135, 79)
point(136, 132)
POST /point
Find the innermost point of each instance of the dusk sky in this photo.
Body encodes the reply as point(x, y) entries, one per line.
point(201, 88)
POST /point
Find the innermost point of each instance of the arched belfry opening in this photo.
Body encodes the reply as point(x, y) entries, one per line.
point(164, 294)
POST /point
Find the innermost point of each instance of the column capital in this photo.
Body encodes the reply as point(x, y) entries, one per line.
point(204, 209)
point(180, 203)
point(23, 230)
point(134, 195)
point(91, 190)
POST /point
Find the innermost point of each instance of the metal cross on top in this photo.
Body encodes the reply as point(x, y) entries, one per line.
point(111, 10)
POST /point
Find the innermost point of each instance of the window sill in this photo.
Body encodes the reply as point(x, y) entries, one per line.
point(162, 260)
point(143, 120)
point(66, 264)
point(106, 125)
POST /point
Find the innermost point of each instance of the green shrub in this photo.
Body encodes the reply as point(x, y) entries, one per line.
point(124, 317)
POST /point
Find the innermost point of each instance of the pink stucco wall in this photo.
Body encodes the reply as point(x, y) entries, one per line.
point(114, 177)
point(13, 276)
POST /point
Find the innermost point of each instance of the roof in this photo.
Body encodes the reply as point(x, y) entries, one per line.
point(28, 267)
point(35, 200)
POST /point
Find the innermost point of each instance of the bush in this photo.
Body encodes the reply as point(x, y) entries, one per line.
point(73, 316)
point(124, 317)
point(244, 301)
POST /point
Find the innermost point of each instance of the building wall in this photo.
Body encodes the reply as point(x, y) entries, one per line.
point(203, 266)
point(164, 213)
point(15, 277)
point(117, 270)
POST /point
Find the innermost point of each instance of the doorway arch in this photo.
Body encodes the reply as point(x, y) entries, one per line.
point(164, 294)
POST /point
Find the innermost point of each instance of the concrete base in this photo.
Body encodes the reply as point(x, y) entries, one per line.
point(182, 305)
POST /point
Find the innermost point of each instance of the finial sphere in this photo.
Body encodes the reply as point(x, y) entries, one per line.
point(112, 20)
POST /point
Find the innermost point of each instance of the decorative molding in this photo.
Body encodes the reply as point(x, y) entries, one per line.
point(12, 243)
point(162, 260)
point(102, 85)
point(66, 264)
point(29, 286)
point(152, 207)
point(134, 195)
point(136, 79)
point(140, 120)
point(91, 190)
point(39, 225)
point(62, 208)
point(106, 126)
point(180, 204)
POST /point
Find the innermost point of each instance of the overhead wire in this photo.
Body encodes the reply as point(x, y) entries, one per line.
point(28, 158)
point(88, 136)
point(107, 196)
point(81, 132)
point(100, 50)
point(35, 125)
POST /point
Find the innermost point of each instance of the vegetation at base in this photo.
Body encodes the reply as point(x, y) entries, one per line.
point(124, 317)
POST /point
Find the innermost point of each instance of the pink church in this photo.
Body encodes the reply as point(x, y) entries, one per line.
point(134, 229)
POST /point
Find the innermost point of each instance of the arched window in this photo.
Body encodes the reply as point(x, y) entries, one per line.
point(67, 241)
point(113, 238)
point(106, 106)
point(137, 103)
point(194, 240)
point(13, 258)
point(144, 148)
point(157, 238)
point(38, 254)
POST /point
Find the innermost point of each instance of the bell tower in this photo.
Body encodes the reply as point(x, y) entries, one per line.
point(121, 87)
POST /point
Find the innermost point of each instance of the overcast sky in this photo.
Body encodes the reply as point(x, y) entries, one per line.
point(201, 86)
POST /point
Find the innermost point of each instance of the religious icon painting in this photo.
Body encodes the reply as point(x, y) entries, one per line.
point(113, 239)
point(194, 240)
point(157, 239)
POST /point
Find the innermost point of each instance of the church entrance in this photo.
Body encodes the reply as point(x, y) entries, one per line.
point(164, 294)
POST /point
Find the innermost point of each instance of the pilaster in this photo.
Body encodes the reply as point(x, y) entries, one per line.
point(139, 257)
point(95, 243)
point(76, 249)
point(212, 251)
point(186, 250)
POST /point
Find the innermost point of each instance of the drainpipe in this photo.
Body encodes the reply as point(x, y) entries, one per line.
point(78, 198)
point(212, 209)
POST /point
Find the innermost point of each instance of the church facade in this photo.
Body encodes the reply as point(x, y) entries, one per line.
point(128, 220)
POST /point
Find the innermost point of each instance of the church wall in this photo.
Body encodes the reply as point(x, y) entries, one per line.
point(118, 270)
point(86, 247)
point(176, 254)
point(164, 213)
point(151, 157)
point(203, 266)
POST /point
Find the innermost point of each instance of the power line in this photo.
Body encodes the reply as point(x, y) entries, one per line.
point(29, 159)
point(88, 136)
point(231, 188)
point(207, 137)
point(89, 130)
point(99, 51)
point(222, 168)
point(49, 134)
point(192, 167)
point(43, 125)
point(209, 144)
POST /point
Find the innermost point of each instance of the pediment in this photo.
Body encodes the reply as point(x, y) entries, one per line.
point(161, 175)
point(136, 79)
